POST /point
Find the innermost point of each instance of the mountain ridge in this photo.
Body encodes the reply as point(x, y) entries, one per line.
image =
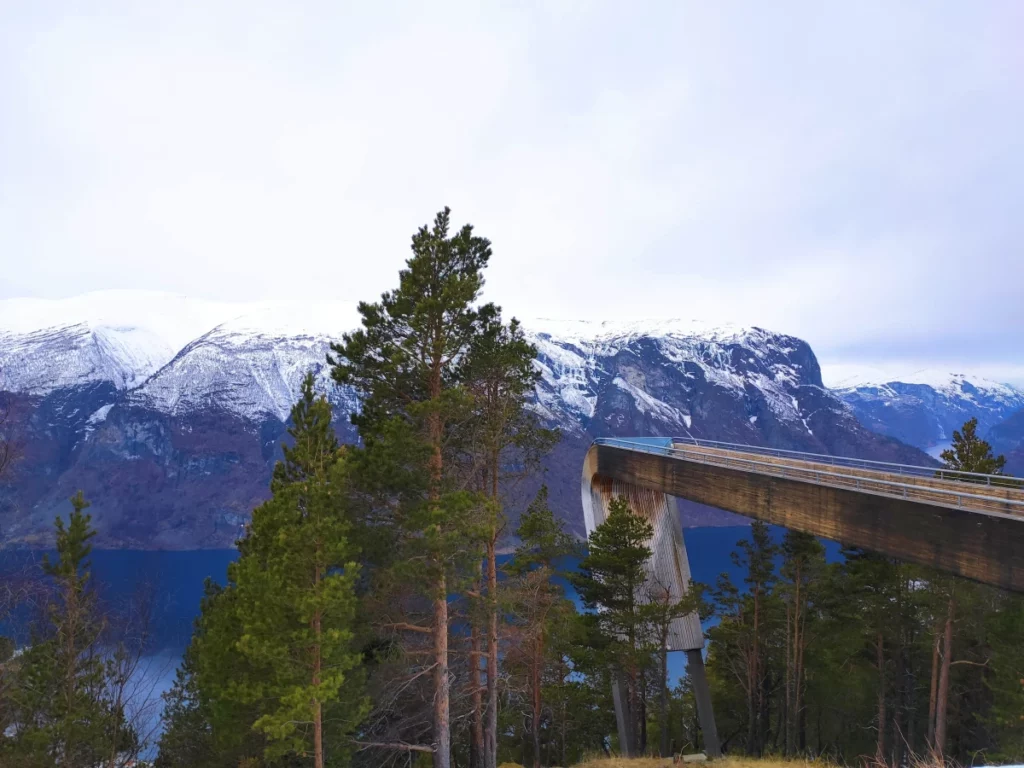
point(177, 458)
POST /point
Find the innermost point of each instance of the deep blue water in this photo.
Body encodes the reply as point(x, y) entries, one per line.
point(171, 583)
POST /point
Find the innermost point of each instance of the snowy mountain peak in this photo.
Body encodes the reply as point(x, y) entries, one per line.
point(925, 407)
point(938, 380)
point(40, 361)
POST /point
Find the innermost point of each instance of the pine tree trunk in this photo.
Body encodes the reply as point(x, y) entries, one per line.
point(634, 711)
point(663, 714)
point(442, 724)
point(643, 712)
point(318, 723)
point(800, 715)
point(789, 681)
point(943, 693)
point(751, 705)
point(318, 735)
point(442, 694)
point(754, 739)
point(491, 730)
point(880, 661)
point(476, 745)
point(538, 660)
point(791, 674)
point(565, 725)
point(934, 690)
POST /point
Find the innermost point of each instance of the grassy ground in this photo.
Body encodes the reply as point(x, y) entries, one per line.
point(728, 762)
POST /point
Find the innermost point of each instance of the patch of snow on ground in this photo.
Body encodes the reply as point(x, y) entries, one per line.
point(100, 414)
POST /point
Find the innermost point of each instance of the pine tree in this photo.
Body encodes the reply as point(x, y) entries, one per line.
point(538, 604)
point(747, 621)
point(610, 580)
point(969, 453)
point(404, 364)
point(1006, 679)
point(65, 718)
point(207, 699)
point(295, 596)
point(187, 738)
point(802, 575)
point(507, 441)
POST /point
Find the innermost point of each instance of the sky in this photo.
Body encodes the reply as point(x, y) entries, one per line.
point(852, 173)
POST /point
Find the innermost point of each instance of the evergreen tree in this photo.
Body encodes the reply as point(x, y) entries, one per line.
point(295, 596)
point(187, 738)
point(972, 455)
point(610, 581)
point(65, 718)
point(802, 575)
point(1006, 680)
point(205, 716)
point(969, 453)
point(507, 440)
point(539, 604)
point(404, 363)
point(744, 634)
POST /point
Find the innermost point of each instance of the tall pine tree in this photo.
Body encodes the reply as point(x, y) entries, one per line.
point(538, 603)
point(610, 581)
point(507, 441)
point(404, 364)
point(971, 455)
point(295, 596)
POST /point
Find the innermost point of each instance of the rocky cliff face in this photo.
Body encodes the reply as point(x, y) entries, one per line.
point(174, 446)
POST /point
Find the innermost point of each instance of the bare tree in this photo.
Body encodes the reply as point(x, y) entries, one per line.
point(133, 675)
point(10, 445)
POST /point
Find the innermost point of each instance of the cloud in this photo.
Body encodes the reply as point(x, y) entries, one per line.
point(847, 174)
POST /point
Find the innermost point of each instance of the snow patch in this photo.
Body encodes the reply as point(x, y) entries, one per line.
point(100, 414)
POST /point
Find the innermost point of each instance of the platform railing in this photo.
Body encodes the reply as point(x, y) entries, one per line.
point(917, 470)
point(972, 497)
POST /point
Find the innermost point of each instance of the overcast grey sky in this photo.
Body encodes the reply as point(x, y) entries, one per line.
point(850, 173)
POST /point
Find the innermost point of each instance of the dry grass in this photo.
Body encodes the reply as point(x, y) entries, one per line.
point(751, 762)
point(726, 762)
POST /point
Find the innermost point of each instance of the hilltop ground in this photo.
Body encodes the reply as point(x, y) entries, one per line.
point(728, 762)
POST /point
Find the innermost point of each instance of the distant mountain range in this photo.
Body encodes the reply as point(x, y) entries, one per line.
point(168, 412)
point(927, 407)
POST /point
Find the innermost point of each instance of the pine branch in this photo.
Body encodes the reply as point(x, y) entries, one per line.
point(400, 745)
point(409, 627)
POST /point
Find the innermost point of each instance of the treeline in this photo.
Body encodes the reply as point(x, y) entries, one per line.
point(867, 656)
point(369, 620)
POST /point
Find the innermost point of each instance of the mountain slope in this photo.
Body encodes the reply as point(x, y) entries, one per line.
point(1007, 438)
point(174, 447)
point(924, 410)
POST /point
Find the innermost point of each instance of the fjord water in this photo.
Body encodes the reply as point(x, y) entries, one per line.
point(171, 585)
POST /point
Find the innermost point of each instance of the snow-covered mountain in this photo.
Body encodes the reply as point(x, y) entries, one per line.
point(923, 409)
point(1007, 438)
point(39, 362)
point(168, 411)
point(240, 369)
point(580, 362)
